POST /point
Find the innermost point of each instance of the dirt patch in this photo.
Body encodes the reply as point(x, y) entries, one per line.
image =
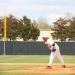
point(70, 68)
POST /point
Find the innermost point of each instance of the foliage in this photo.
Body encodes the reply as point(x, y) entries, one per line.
point(71, 28)
point(22, 28)
point(64, 28)
point(1, 27)
point(35, 32)
point(28, 30)
point(12, 27)
point(26, 27)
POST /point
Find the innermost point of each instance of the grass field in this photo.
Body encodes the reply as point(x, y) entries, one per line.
point(69, 59)
point(33, 59)
point(33, 74)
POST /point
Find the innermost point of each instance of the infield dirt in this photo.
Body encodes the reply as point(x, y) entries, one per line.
point(70, 68)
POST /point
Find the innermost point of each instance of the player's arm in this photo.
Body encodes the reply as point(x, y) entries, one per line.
point(53, 49)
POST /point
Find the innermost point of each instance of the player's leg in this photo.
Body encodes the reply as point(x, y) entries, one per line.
point(60, 57)
point(52, 55)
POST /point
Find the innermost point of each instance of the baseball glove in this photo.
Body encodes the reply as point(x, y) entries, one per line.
point(53, 49)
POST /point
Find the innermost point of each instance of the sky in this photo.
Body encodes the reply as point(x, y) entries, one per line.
point(51, 10)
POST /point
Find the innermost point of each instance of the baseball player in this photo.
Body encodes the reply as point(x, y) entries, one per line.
point(55, 51)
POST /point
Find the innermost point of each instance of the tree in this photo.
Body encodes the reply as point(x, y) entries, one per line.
point(22, 28)
point(59, 29)
point(28, 30)
point(64, 28)
point(25, 31)
point(35, 32)
point(71, 28)
point(1, 27)
point(12, 27)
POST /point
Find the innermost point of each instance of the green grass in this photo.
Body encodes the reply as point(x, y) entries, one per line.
point(33, 59)
point(67, 59)
point(33, 74)
point(25, 58)
point(18, 67)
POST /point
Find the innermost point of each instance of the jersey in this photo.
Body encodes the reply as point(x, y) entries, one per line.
point(52, 45)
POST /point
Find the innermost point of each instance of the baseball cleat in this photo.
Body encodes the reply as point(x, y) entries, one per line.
point(48, 67)
point(63, 66)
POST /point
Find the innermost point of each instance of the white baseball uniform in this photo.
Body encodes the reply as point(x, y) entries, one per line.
point(55, 53)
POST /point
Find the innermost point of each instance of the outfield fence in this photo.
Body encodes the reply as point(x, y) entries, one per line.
point(34, 48)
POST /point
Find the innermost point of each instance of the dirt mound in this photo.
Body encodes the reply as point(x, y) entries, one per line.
point(55, 68)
